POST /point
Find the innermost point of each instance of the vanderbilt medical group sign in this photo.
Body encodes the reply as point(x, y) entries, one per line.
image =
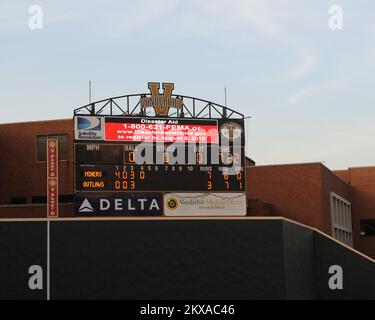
point(210, 204)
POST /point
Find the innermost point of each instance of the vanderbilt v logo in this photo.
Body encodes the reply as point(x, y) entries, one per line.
point(161, 103)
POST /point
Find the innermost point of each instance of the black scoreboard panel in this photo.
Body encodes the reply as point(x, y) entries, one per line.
point(179, 167)
point(173, 178)
point(99, 153)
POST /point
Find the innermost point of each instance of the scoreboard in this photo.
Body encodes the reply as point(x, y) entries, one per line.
point(112, 167)
point(148, 155)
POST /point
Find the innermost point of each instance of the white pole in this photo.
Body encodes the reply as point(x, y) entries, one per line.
point(225, 94)
point(48, 260)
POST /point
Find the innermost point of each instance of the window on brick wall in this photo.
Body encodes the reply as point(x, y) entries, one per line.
point(41, 146)
point(368, 227)
point(18, 200)
point(39, 199)
point(341, 217)
point(63, 198)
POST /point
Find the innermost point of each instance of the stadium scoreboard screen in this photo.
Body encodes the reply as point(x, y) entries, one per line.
point(187, 157)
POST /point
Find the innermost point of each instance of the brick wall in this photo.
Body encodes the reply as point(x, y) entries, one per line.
point(297, 191)
point(21, 174)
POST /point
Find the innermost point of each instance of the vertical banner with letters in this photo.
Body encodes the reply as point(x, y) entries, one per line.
point(52, 178)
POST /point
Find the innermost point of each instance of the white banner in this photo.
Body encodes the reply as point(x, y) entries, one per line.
point(204, 204)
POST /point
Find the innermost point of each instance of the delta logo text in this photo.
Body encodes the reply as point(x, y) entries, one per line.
point(119, 204)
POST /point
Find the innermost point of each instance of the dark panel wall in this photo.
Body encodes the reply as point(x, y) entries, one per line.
point(358, 272)
point(179, 259)
point(168, 260)
point(299, 261)
point(22, 244)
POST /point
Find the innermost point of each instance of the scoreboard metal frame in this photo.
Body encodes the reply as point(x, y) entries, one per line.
point(108, 182)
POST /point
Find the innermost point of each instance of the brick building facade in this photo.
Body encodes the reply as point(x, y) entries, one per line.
point(300, 192)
